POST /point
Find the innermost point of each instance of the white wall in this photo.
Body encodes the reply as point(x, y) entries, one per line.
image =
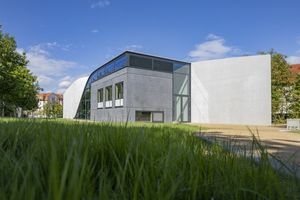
point(232, 91)
point(72, 97)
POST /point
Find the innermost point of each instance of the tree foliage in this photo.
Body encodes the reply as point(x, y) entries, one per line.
point(53, 110)
point(295, 103)
point(18, 87)
point(285, 88)
point(281, 82)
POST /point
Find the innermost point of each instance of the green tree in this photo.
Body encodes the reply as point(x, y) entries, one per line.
point(295, 102)
point(281, 84)
point(53, 110)
point(58, 110)
point(47, 110)
point(18, 87)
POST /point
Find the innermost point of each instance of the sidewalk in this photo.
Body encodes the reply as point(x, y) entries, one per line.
point(278, 141)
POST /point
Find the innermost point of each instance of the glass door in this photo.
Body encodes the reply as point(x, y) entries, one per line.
point(181, 112)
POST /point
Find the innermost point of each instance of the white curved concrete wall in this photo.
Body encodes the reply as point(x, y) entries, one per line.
point(72, 97)
point(232, 90)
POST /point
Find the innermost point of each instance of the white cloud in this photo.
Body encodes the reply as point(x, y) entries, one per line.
point(214, 47)
point(100, 4)
point(41, 62)
point(45, 81)
point(64, 83)
point(293, 59)
point(212, 36)
point(51, 72)
point(95, 31)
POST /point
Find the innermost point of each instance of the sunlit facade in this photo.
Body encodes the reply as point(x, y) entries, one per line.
point(145, 70)
point(139, 87)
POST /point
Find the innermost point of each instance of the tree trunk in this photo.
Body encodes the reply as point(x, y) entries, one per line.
point(2, 110)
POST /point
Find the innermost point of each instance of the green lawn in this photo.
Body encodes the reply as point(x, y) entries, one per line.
point(57, 159)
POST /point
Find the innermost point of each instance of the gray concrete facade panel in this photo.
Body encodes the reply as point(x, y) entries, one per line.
point(144, 90)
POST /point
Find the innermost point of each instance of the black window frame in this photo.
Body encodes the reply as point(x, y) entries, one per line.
point(116, 95)
point(107, 99)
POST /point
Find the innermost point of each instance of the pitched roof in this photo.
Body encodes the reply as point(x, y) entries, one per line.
point(44, 96)
point(295, 68)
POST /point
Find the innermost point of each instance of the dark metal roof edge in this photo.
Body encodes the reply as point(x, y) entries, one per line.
point(110, 61)
point(158, 57)
point(140, 54)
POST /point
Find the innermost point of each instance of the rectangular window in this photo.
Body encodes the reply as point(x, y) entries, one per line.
point(119, 93)
point(149, 116)
point(119, 90)
point(140, 62)
point(143, 116)
point(162, 66)
point(181, 84)
point(100, 98)
point(108, 97)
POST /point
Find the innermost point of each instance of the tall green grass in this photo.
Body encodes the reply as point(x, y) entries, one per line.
point(41, 159)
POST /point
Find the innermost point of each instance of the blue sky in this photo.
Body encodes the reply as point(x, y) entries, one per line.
point(65, 40)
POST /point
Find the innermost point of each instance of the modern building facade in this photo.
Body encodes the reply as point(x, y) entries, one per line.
point(139, 87)
point(232, 90)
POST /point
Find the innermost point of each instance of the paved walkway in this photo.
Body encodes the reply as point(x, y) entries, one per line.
point(278, 141)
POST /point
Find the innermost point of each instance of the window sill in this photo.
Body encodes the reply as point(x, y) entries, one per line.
point(119, 103)
point(99, 105)
point(108, 104)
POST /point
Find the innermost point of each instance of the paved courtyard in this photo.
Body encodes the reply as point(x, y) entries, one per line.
point(278, 141)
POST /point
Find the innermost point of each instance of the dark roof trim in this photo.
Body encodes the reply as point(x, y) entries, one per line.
point(139, 54)
point(115, 58)
point(158, 57)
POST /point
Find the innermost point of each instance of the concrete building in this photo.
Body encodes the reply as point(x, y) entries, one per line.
point(232, 90)
point(139, 87)
point(72, 97)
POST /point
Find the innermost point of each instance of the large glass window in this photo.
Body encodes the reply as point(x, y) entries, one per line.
point(108, 93)
point(100, 98)
point(100, 95)
point(181, 84)
point(149, 116)
point(119, 90)
point(182, 68)
point(119, 93)
point(83, 111)
point(163, 66)
point(108, 68)
point(108, 97)
point(181, 92)
point(141, 62)
point(143, 116)
point(181, 109)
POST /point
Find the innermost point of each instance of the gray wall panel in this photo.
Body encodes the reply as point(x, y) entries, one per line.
point(143, 90)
